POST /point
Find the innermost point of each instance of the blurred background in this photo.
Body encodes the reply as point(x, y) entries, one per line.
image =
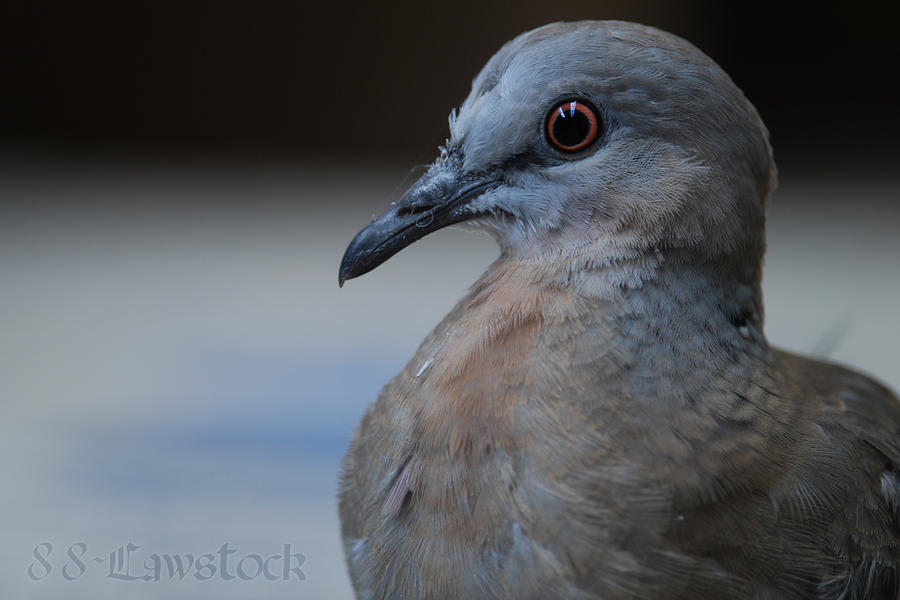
point(178, 368)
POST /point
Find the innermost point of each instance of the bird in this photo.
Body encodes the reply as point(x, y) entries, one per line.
point(601, 415)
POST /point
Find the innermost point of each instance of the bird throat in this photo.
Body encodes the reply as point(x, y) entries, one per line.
point(637, 326)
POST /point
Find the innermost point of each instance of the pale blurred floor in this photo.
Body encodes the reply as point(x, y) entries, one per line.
point(178, 368)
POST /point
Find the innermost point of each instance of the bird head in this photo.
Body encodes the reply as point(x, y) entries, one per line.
point(599, 139)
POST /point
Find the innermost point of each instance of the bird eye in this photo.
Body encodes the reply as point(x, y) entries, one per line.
point(572, 125)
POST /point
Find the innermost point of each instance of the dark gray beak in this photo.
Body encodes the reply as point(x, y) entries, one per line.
point(438, 199)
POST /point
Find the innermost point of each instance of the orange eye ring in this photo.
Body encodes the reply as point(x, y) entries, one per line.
point(572, 126)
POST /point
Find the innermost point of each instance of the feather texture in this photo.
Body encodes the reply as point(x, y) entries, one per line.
point(601, 416)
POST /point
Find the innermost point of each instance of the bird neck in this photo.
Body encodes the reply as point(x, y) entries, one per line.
point(665, 281)
point(657, 299)
point(637, 328)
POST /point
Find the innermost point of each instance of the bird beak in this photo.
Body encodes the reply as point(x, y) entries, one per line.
point(438, 199)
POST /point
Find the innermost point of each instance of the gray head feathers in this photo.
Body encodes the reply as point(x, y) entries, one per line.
point(684, 159)
point(681, 166)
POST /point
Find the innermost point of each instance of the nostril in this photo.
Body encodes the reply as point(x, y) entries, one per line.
point(413, 209)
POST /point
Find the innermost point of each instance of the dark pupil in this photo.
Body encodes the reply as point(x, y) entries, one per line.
point(569, 129)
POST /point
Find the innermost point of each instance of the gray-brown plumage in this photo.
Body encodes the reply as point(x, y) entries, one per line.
point(601, 415)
